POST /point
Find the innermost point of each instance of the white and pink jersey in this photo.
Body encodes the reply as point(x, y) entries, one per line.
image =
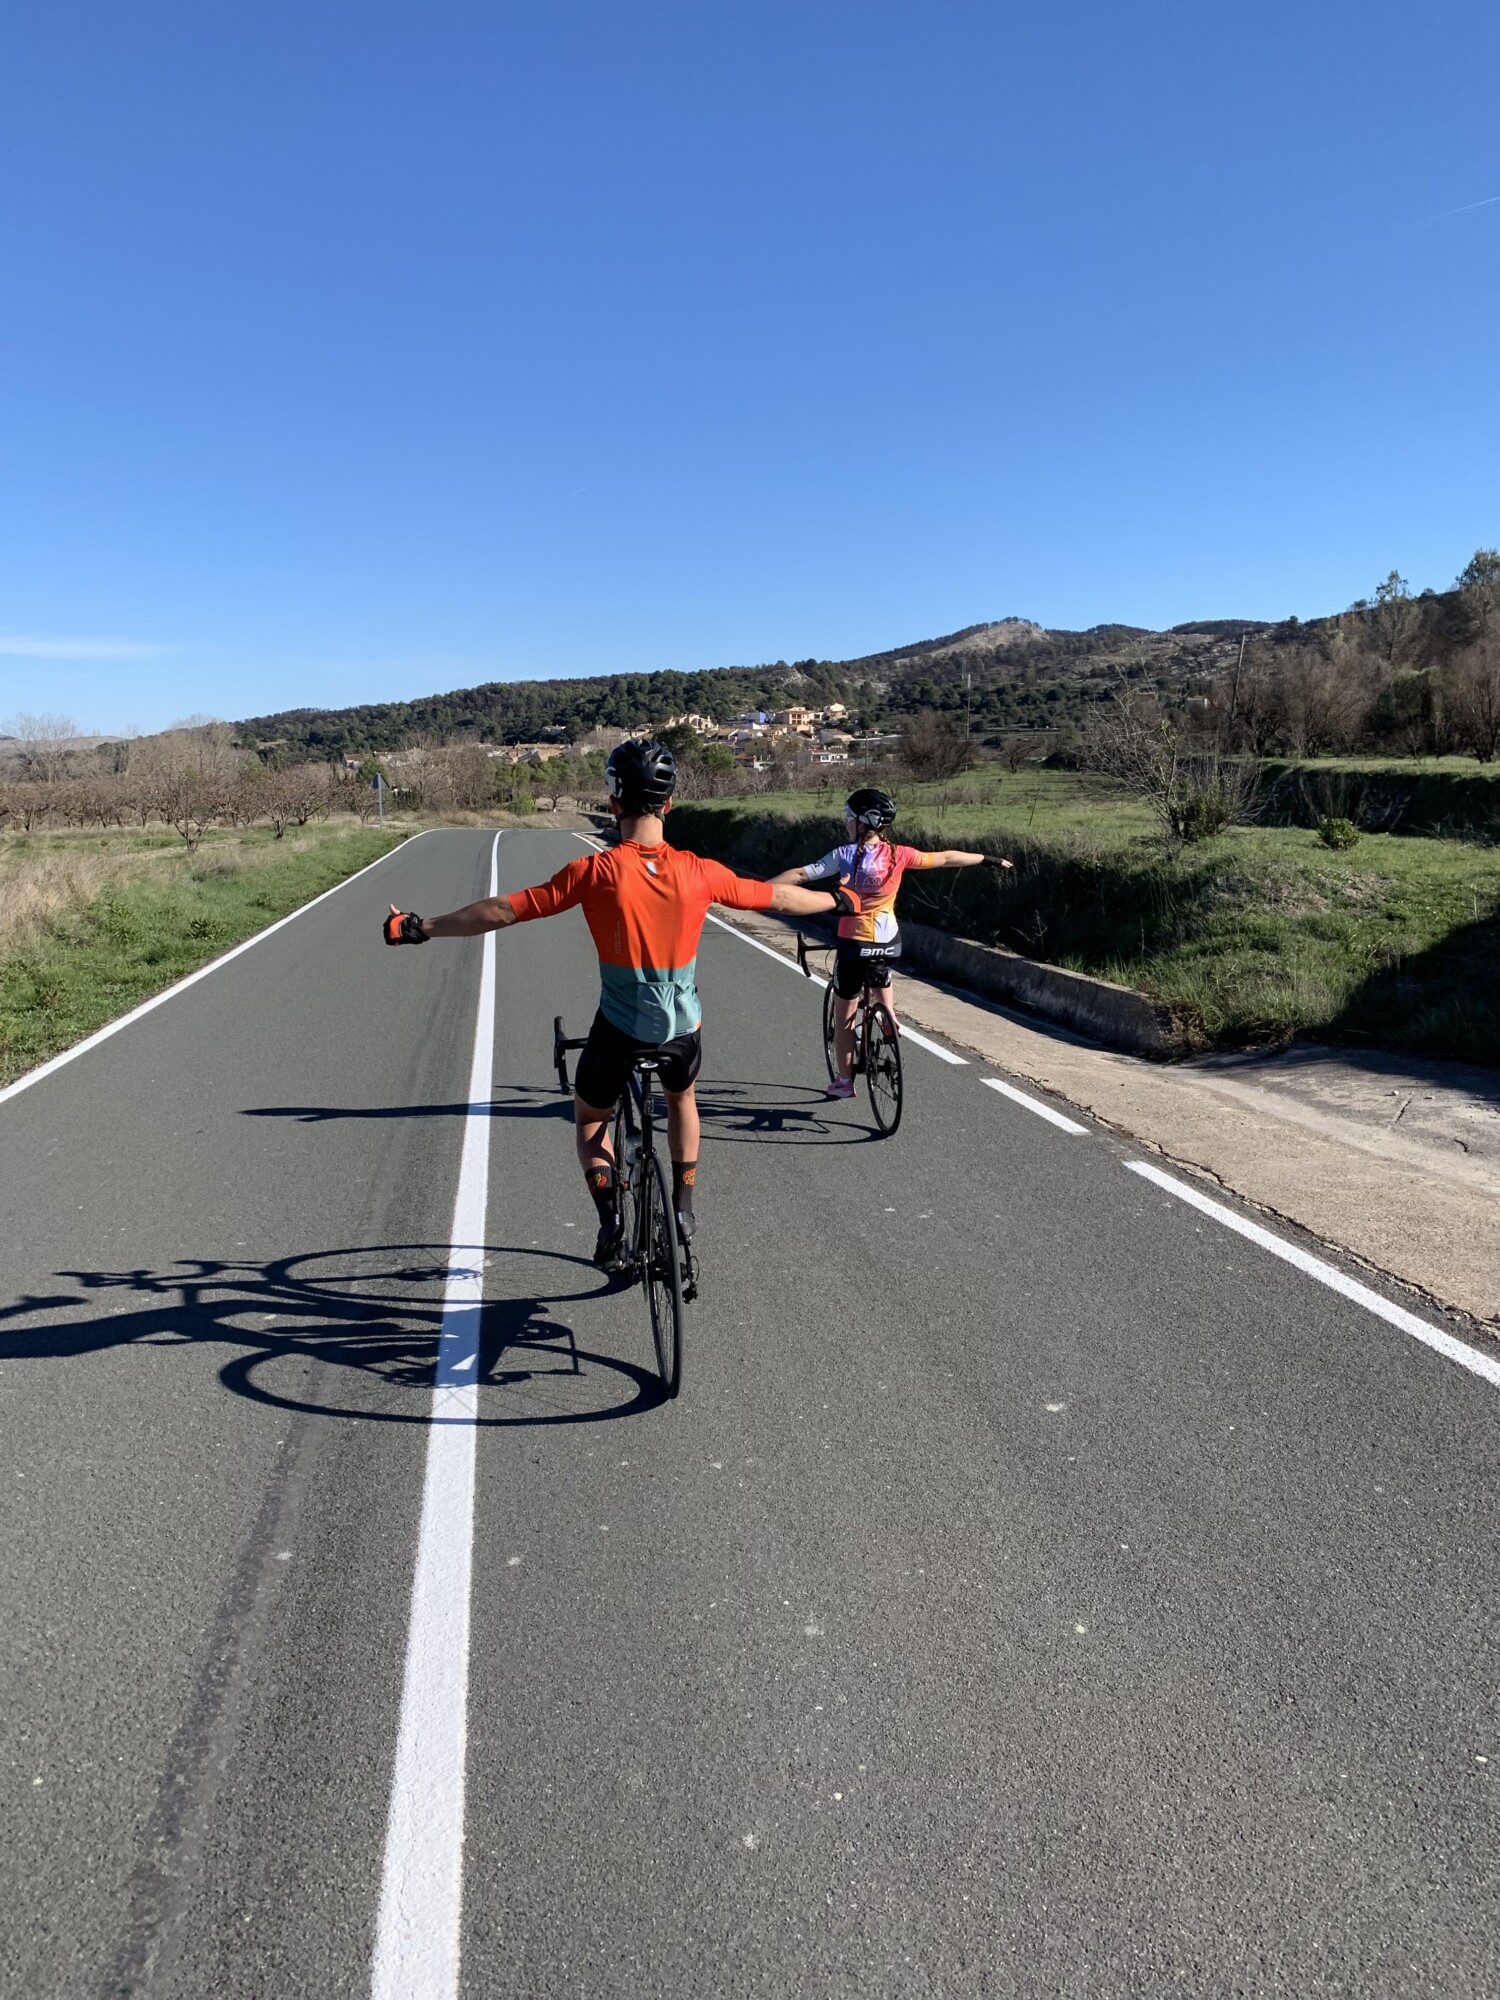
point(874, 873)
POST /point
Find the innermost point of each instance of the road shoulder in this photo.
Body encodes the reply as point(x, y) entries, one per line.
point(1314, 1138)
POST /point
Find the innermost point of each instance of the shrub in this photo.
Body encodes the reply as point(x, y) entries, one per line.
point(1337, 832)
point(1205, 813)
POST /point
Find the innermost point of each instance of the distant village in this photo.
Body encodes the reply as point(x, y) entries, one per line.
point(752, 739)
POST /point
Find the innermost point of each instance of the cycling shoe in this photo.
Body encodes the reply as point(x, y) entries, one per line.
point(609, 1245)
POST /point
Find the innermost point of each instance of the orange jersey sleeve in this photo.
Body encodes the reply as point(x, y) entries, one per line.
point(559, 892)
point(735, 892)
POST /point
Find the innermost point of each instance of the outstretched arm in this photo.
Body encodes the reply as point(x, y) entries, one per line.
point(794, 875)
point(958, 857)
point(787, 900)
point(492, 913)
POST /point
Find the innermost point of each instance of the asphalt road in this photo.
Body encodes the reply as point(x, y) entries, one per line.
point(1037, 1589)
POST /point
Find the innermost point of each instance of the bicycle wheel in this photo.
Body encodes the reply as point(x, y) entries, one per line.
point(627, 1176)
point(662, 1273)
point(828, 1044)
point(883, 1069)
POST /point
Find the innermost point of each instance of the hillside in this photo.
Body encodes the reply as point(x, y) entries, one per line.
point(1384, 672)
point(1023, 676)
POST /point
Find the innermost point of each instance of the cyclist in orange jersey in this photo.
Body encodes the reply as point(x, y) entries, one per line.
point(644, 903)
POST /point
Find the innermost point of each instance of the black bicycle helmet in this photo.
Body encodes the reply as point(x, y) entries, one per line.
point(871, 807)
point(642, 776)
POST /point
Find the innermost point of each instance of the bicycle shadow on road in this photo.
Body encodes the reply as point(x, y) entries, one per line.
point(733, 1110)
point(738, 1109)
point(351, 1334)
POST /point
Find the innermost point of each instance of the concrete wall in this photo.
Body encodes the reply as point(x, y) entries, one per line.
point(1115, 1015)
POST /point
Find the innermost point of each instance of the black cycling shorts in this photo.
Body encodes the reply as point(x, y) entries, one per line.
point(857, 966)
point(608, 1054)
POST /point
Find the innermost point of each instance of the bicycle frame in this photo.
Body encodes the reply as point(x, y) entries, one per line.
point(877, 1051)
point(660, 1260)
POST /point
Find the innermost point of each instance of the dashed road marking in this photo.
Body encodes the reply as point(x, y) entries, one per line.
point(1035, 1104)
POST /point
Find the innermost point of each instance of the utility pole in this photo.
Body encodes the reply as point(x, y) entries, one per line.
point(1234, 696)
point(968, 683)
point(380, 797)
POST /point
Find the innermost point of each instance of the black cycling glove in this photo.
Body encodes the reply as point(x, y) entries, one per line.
point(404, 927)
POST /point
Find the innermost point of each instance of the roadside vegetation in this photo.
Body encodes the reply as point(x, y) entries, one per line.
point(1252, 935)
point(1278, 830)
point(99, 921)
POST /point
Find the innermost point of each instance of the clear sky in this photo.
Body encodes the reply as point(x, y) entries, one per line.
point(356, 351)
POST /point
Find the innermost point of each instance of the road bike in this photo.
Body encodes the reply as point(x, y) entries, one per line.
point(877, 1044)
point(652, 1249)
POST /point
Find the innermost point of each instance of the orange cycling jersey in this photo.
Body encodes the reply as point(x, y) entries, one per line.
point(645, 908)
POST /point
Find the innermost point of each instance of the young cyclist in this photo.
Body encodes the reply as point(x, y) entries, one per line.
point(870, 938)
point(644, 903)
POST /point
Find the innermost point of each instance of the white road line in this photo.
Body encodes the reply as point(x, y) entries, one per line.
point(755, 944)
point(421, 1892)
point(1034, 1104)
point(933, 1048)
point(180, 985)
point(1486, 1366)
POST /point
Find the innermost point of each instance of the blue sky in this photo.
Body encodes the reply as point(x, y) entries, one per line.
point(354, 351)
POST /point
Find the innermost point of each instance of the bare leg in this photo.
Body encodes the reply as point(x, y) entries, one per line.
point(886, 995)
point(843, 1034)
point(684, 1128)
point(591, 1135)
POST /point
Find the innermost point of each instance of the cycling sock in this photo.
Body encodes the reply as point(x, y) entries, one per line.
point(601, 1184)
point(684, 1179)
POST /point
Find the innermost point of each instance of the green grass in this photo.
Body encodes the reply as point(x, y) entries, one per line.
point(115, 917)
point(988, 801)
point(1252, 938)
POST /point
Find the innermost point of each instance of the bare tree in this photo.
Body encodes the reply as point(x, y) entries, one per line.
point(1326, 694)
point(1394, 617)
point(23, 806)
point(932, 746)
point(46, 744)
point(1192, 795)
point(190, 801)
point(471, 778)
point(1474, 696)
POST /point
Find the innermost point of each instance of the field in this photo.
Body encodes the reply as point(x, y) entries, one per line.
point(98, 921)
point(1253, 937)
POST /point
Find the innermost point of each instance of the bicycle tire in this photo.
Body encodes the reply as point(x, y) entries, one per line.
point(829, 1057)
point(661, 1274)
point(559, 1053)
point(627, 1192)
point(883, 1070)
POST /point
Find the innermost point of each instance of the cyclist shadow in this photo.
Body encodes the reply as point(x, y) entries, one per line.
point(523, 1101)
point(745, 1109)
point(349, 1334)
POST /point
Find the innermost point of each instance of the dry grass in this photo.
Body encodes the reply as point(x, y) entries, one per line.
point(48, 876)
point(100, 923)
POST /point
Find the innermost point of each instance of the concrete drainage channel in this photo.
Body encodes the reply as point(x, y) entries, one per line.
point(1118, 1016)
